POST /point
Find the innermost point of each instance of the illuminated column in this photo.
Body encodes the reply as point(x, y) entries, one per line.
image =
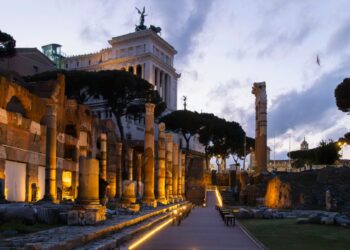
point(130, 163)
point(88, 190)
point(103, 164)
point(161, 164)
point(175, 171)
point(119, 171)
point(148, 197)
point(259, 90)
point(183, 174)
point(139, 175)
point(169, 168)
point(179, 190)
point(51, 157)
point(129, 185)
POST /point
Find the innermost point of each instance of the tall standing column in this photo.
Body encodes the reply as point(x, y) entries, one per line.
point(259, 90)
point(103, 163)
point(139, 175)
point(148, 197)
point(169, 168)
point(183, 174)
point(161, 164)
point(51, 154)
point(130, 163)
point(175, 171)
point(118, 194)
point(179, 191)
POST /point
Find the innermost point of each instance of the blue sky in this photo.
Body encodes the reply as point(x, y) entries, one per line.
point(224, 46)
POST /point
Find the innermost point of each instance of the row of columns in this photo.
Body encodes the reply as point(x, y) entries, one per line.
point(170, 175)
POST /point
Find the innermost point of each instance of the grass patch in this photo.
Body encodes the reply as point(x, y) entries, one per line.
point(22, 228)
point(286, 234)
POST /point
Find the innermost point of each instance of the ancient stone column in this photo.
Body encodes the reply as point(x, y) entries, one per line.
point(51, 159)
point(88, 190)
point(179, 190)
point(139, 175)
point(129, 185)
point(161, 164)
point(130, 163)
point(259, 90)
point(103, 151)
point(183, 174)
point(148, 196)
point(169, 168)
point(119, 181)
point(175, 171)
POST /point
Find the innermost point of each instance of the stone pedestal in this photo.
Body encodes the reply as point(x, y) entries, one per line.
point(161, 164)
point(119, 182)
point(169, 168)
point(87, 209)
point(175, 171)
point(103, 151)
point(51, 157)
point(148, 197)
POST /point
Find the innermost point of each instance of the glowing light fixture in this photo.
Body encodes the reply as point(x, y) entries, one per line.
point(145, 237)
point(218, 197)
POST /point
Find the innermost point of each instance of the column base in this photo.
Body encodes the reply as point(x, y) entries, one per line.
point(149, 202)
point(128, 196)
point(86, 215)
point(162, 201)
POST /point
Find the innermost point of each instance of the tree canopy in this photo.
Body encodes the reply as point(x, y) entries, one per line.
point(325, 153)
point(342, 95)
point(7, 45)
point(122, 92)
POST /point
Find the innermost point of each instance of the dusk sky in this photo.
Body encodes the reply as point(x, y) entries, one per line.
point(224, 46)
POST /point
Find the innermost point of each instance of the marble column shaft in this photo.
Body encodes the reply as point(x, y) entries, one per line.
point(169, 167)
point(130, 163)
point(148, 197)
point(103, 151)
point(119, 171)
point(139, 175)
point(161, 164)
point(175, 170)
point(51, 154)
point(88, 190)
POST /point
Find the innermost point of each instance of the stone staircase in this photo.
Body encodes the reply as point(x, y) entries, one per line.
point(228, 198)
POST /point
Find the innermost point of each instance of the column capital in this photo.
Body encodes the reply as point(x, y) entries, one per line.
point(169, 136)
point(103, 137)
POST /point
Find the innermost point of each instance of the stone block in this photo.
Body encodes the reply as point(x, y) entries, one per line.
point(3, 116)
point(86, 216)
point(129, 191)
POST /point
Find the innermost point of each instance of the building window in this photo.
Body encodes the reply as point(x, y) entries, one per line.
point(78, 64)
point(89, 62)
point(66, 65)
point(139, 71)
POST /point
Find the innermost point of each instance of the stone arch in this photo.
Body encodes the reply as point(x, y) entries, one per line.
point(139, 71)
point(15, 106)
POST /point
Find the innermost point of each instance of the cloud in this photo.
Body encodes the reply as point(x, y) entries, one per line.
point(94, 33)
point(308, 106)
point(341, 39)
point(183, 21)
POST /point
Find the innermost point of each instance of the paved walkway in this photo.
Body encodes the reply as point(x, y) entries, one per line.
point(202, 230)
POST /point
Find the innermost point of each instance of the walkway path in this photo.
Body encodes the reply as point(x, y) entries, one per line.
point(202, 230)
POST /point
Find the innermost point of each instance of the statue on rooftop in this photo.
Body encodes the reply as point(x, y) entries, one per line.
point(141, 26)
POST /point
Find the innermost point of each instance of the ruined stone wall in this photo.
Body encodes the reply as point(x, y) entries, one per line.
point(307, 189)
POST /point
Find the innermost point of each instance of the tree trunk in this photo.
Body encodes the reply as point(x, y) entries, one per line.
point(120, 127)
